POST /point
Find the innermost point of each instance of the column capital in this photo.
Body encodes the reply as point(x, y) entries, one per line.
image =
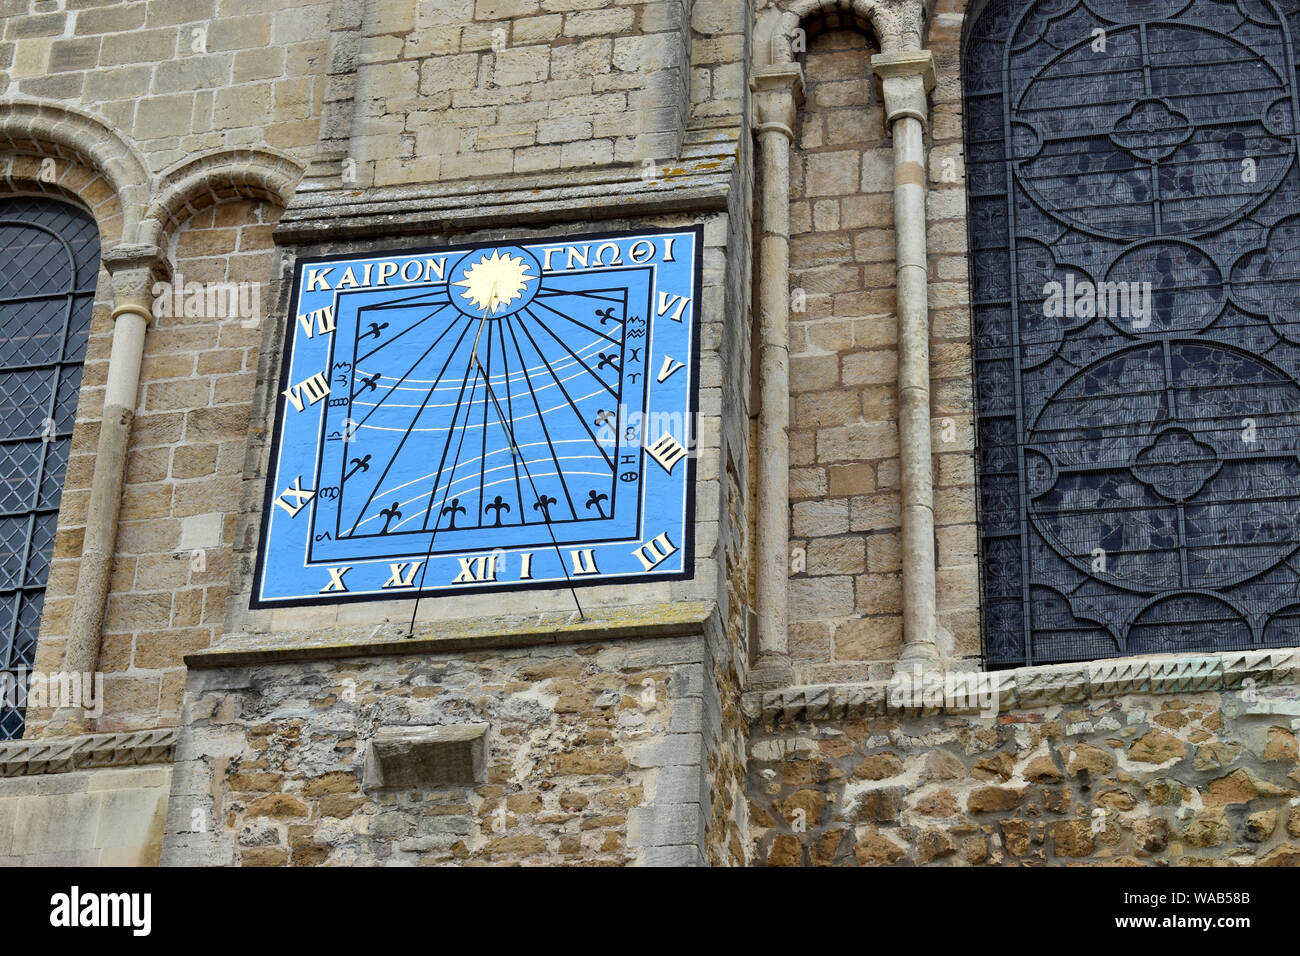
point(126, 256)
point(906, 78)
point(134, 268)
point(778, 91)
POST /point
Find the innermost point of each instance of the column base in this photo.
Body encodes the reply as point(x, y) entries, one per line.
point(924, 653)
point(771, 671)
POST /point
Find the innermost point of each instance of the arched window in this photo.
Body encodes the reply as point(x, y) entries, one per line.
point(49, 262)
point(1135, 271)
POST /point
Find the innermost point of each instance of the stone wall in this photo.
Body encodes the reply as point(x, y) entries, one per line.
point(176, 77)
point(1194, 779)
point(391, 95)
point(951, 386)
point(454, 88)
point(186, 460)
point(730, 640)
point(845, 585)
point(620, 738)
point(595, 754)
point(102, 817)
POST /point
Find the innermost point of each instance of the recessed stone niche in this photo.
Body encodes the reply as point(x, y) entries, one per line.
point(450, 755)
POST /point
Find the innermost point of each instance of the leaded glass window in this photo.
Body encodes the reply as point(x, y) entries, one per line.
point(49, 262)
point(1135, 272)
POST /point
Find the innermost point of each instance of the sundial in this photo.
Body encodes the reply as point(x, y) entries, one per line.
point(486, 417)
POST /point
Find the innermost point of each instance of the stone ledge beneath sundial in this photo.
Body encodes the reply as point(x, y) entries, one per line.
point(632, 622)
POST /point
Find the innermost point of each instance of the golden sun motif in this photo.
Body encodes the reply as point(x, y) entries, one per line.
point(495, 281)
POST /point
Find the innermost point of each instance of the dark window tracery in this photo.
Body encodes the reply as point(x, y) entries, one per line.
point(1134, 202)
point(49, 263)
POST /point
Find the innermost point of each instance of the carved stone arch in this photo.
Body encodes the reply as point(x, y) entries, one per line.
point(74, 182)
point(31, 128)
point(895, 26)
point(215, 177)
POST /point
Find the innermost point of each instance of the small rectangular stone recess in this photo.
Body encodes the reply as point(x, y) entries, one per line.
point(426, 757)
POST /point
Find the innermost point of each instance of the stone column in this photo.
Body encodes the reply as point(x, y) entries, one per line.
point(777, 91)
point(133, 269)
point(906, 77)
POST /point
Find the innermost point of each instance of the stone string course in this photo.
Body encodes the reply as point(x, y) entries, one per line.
point(1045, 685)
point(62, 755)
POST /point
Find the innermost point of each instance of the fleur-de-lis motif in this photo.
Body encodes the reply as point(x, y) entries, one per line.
point(389, 515)
point(452, 509)
point(594, 500)
point(544, 506)
point(496, 506)
point(360, 464)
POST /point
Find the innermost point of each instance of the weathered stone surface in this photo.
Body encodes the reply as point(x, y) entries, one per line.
point(874, 848)
point(998, 766)
point(940, 803)
point(1282, 745)
point(880, 806)
point(1288, 854)
point(1261, 825)
point(1213, 755)
point(1209, 829)
point(994, 799)
point(941, 765)
point(878, 767)
point(809, 801)
point(899, 780)
point(1152, 835)
point(279, 805)
point(785, 851)
point(1073, 838)
point(1016, 835)
point(974, 850)
point(1240, 786)
point(1156, 747)
point(1095, 760)
point(1042, 770)
point(933, 845)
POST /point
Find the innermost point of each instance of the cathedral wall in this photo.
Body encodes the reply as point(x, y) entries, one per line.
point(595, 752)
point(176, 77)
point(626, 734)
point(101, 817)
point(471, 88)
point(1184, 779)
point(845, 562)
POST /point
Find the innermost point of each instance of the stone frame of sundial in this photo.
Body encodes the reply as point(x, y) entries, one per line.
point(557, 542)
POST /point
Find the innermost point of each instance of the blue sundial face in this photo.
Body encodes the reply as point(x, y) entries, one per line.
point(484, 418)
